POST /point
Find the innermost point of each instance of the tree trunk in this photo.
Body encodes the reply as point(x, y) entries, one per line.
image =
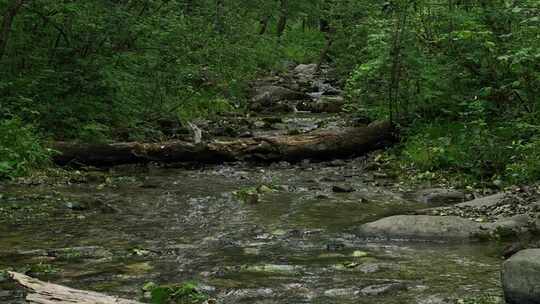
point(188, 7)
point(47, 293)
point(7, 22)
point(325, 50)
point(317, 145)
point(282, 23)
point(264, 24)
point(324, 26)
point(219, 16)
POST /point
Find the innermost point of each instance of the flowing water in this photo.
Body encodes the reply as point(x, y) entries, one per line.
point(295, 245)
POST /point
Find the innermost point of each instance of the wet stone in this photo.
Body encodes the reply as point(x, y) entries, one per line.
point(434, 300)
point(251, 293)
point(335, 246)
point(343, 188)
point(77, 206)
point(341, 293)
point(376, 290)
point(369, 268)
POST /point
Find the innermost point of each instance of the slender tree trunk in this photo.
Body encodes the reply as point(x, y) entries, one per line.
point(324, 26)
point(264, 24)
point(324, 52)
point(395, 72)
point(219, 16)
point(282, 23)
point(188, 10)
point(7, 23)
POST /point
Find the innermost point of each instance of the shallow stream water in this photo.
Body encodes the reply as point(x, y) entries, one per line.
point(295, 245)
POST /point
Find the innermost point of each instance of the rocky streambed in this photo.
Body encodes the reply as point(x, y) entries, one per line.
point(296, 243)
point(336, 231)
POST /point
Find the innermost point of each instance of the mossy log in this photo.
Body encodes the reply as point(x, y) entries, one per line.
point(47, 293)
point(316, 145)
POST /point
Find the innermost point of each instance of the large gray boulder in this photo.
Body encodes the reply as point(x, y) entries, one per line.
point(270, 94)
point(422, 227)
point(306, 69)
point(442, 228)
point(521, 277)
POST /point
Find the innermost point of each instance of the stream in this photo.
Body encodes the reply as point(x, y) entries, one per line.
point(296, 244)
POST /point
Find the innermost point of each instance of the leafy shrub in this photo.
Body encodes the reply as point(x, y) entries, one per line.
point(474, 149)
point(20, 149)
point(187, 293)
point(525, 165)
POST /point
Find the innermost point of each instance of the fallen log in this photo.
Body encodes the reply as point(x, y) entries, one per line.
point(46, 293)
point(316, 145)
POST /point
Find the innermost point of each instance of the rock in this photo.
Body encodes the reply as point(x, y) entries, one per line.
point(335, 246)
point(536, 223)
point(306, 69)
point(250, 293)
point(273, 268)
point(359, 254)
point(337, 163)
point(77, 206)
point(323, 104)
point(325, 88)
point(440, 197)
point(369, 268)
point(510, 227)
point(521, 277)
point(322, 196)
point(341, 292)
point(423, 227)
point(343, 188)
point(5, 294)
point(487, 201)
point(434, 300)
point(268, 95)
point(376, 290)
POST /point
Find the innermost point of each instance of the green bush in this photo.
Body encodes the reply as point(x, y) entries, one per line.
point(476, 150)
point(186, 293)
point(20, 149)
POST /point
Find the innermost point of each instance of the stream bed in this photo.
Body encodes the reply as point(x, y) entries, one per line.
point(295, 243)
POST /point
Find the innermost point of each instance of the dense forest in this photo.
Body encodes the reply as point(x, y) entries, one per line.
point(270, 151)
point(460, 78)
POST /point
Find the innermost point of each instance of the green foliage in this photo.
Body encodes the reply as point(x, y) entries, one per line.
point(41, 269)
point(20, 149)
point(187, 293)
point(100, 71)
point(95, 71)
point(462, 79)
point(481, 152)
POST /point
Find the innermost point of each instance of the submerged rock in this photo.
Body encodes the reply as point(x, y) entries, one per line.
point(342, 188)
point(376, 290)
point(341, 292)
point(521, 277)
point(77, 206)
